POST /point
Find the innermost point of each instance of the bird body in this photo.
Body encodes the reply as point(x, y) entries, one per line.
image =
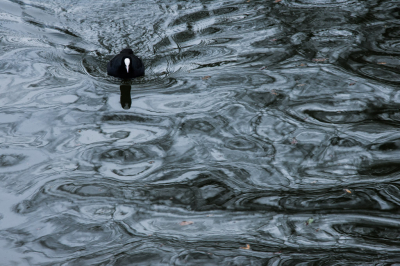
point(125, 65)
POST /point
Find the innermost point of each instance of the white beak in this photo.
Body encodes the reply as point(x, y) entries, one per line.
point(127, 62)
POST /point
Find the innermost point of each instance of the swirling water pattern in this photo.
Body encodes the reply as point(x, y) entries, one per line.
point(264, 133)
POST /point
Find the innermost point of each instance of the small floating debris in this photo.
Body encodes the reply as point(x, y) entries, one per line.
point(246, 247)
point(320, 59)
point(309, 221)
point(183, 223)
point(347, 190)
point(206, 77)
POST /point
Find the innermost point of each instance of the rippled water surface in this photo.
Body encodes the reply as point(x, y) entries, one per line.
point(263, 133)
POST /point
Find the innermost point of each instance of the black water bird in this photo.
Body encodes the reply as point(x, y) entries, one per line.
point(125, 65)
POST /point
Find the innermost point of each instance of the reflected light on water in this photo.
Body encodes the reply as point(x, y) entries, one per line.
point(263, 133)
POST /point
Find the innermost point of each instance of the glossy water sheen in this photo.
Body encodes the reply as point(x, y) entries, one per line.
point(273, 125)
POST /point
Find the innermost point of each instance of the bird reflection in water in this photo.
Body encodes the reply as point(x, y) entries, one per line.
point(125, 99)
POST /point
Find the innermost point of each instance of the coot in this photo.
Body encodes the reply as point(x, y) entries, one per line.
point(125, 65)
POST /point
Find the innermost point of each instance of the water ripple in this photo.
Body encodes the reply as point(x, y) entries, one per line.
point(263, 133)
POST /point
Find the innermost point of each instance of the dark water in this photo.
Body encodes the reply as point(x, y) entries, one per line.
point(262, 134)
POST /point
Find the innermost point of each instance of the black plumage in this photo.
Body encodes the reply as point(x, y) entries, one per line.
point(117, 68)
